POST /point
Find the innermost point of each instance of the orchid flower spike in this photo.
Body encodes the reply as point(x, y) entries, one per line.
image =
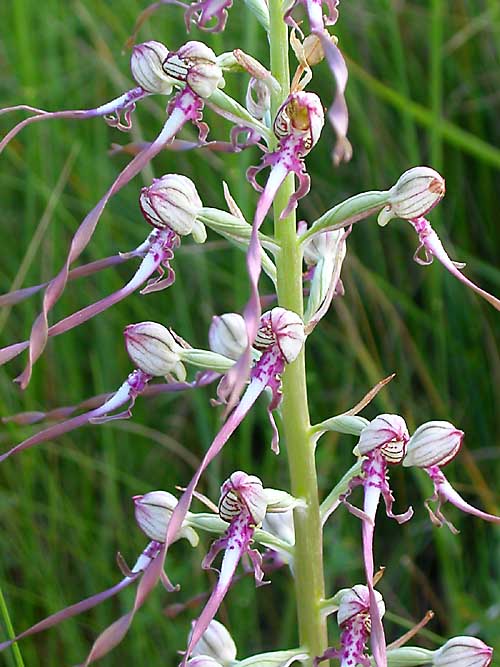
point(338, 113)
point(463, 652)
point(243, 505)
point(382, 443)
point(353, 617)
point(433, 445)
point(171, 204)
point(416, 193)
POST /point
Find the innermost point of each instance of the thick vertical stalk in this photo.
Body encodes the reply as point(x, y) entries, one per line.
point(308, 567)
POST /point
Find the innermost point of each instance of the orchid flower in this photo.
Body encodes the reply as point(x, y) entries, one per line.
point(194, 67)
point(154, 351)
point(463, 652)
point(297, 126)
point(417, 192)
point(354, 619)
point(243, 505)
point(433, 445)
point(171, 204)
point(146, 66)
point(382, 443)
point(338, 113)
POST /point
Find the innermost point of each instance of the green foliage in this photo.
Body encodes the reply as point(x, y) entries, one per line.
point(423, 90)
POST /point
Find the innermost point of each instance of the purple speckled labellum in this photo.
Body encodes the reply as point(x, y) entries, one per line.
point(382, 442)
point(432, 246)
point(185, 107)
point(243, 504)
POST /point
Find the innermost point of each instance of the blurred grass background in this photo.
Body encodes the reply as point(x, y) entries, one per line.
point(424, 89)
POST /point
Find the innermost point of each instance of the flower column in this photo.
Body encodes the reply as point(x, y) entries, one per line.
point(308, 568)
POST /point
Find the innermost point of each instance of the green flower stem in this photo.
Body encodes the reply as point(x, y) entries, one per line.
point(4, 614)
point(308, 563)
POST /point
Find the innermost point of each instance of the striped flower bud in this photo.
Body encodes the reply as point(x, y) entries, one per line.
point(242, 492)
point(217, 643)
point(146, 64)
point(434, 443)
point(195, 64)
point(283, 328)
point(322, 245)
point(463, 652)
point(228, 335)
point(154, 350)
point(153, 512)
point(172, 201)
point(416, 192)
point(387, 433)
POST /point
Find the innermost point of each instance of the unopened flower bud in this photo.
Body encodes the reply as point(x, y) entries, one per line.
point(228, 335)
point(416, 192)
point(195, 64)
point(463, 652)
point(354, 601)
point(172, 201)
point(242, 492)
point(283, 328)
point(300, 115)
point(434, 443)
point(387, 433)
point(154, 350)
point(146, 64)
point(217, 643)
point(153, 512)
